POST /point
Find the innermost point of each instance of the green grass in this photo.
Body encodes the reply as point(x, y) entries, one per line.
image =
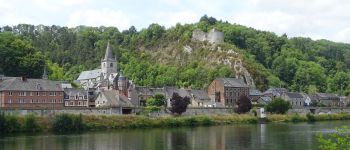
point(63, 123)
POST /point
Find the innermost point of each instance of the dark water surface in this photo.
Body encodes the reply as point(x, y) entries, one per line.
point(275, 136)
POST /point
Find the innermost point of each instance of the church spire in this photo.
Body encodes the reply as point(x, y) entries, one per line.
point(108, 54)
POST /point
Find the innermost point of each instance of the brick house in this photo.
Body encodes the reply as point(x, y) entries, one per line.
point(226, 91)
point(75, 97)
point(20, 92)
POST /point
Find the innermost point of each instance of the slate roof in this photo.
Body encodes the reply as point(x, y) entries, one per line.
point(108, 54)
point(74, 92)
point(199, 94)
point(275, 91)
point(265, 99)
point(16, 84)
point(142, 90)
point(232, 82)
point(90, 74)
point(169, 91)
point(255, 93)
point(326, 96)
point(116, 99)
point(294, 95)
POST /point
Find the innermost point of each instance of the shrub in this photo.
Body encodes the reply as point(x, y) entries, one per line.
point(3, 123)
point(156, 100)
point(179, 104)
point(12, 124)
point(243, 105)
point(337, 140)
point(30, 124)
point(64, 123)
point(278, 106)
point(191, 121)
point(310, 117)
point(152, 108)
point(296, 118)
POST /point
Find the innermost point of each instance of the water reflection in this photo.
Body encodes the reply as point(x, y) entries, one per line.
point(260, 136)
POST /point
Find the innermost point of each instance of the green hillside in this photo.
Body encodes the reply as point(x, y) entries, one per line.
point(155, 56)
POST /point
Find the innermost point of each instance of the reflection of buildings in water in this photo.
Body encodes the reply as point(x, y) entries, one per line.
point(261, 134)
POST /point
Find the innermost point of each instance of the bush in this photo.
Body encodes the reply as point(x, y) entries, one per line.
point(30, 124)
point(152, 108)
point(64, 123)
point(296, 118)
point(243, 105)
point(337, 140)
point(278, 106)
point(310, 117)
point(12, 124)
point(179, 104)
point(3, 123)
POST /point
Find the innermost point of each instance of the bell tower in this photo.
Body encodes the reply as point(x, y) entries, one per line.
point(108, 63)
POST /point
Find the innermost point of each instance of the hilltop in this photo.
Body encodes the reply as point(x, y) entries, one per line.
point(156, 56)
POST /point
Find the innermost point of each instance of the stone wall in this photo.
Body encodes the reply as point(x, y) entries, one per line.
point(214, 36)
point(320, 110)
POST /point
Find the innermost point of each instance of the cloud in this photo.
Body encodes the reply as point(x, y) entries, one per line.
point(104, 17)
point(169, 19)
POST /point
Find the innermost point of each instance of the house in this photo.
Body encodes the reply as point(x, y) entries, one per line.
point(275, 92)
point(139, 94)
point(200, 98)
point(328, 99)
point(75, 97)
point(264, 100)
point(169, 91)
point(21, 92)
point(112, 98)
point(254, 95)
point(297, 100)
point(226, 91)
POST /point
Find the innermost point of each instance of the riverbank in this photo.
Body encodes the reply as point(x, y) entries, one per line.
point(64, 123)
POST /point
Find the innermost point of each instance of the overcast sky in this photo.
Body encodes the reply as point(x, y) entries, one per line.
point(328, 19)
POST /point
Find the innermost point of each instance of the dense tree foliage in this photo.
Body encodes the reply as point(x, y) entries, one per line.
point(278, 106)
point(179, 104)
point(243, 105)
point(154, 56)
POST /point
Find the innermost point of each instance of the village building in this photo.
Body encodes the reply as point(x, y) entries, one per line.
point(297, 100)
point(254, 95)
point(275, 92)
point(100, 78)
point(75, 97)
point(327, 99)
point(226, 91)
point(264, 100)
point(21, 92)
point(112, 98)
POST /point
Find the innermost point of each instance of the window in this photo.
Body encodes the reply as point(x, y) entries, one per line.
point(66, 103)
point(31, 93)
point(54, 93)
point(10, 93)
point(71, 103)
point(22, 93)
point(21, 101)
point(84, 103)
point(51, 93)
point(85, 97)
point(31, 101)
point(79, 103)
point(43, 93)
point(10, 101)
point(37, 94)
point(111, 65)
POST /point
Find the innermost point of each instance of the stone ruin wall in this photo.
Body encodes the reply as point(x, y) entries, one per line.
point(214, 36)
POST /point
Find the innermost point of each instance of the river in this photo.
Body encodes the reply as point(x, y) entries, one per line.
point(278, 136)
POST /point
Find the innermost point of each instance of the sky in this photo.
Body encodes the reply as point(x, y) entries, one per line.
point(318, 19)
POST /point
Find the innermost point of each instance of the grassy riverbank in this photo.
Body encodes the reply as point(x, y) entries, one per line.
point(64, 123)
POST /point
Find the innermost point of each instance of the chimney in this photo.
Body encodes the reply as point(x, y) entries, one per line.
point(24, 78)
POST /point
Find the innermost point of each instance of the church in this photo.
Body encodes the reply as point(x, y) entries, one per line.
point(103, 78)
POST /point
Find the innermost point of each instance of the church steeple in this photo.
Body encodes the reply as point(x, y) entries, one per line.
point(108, 54)
point(108, 63)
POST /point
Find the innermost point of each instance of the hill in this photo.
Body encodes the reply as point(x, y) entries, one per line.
point(156, 56)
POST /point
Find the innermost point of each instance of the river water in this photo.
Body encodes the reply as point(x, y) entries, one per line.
point(272, 136)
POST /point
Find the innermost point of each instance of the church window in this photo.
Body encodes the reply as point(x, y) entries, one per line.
point(111, 65)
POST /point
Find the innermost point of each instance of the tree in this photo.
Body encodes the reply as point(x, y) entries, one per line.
point(337, 140)
point(155, 102)
point(179, 104)
point(243, 105)
point(278, 106)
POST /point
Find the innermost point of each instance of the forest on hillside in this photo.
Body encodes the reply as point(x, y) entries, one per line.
point(298, 63)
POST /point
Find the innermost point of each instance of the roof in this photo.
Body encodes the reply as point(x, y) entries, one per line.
point(74, 92)
point(108, 54)
point(255, 93)
point(275, 91)
point(90, 74)
point(169, 91)
point(17, 84)
point(199, 94)
point(66, 85)
point(115, 99)
point(232, 82)
point(294, 95)
point(142, 90)
point(327, 96)
point(265, 98)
